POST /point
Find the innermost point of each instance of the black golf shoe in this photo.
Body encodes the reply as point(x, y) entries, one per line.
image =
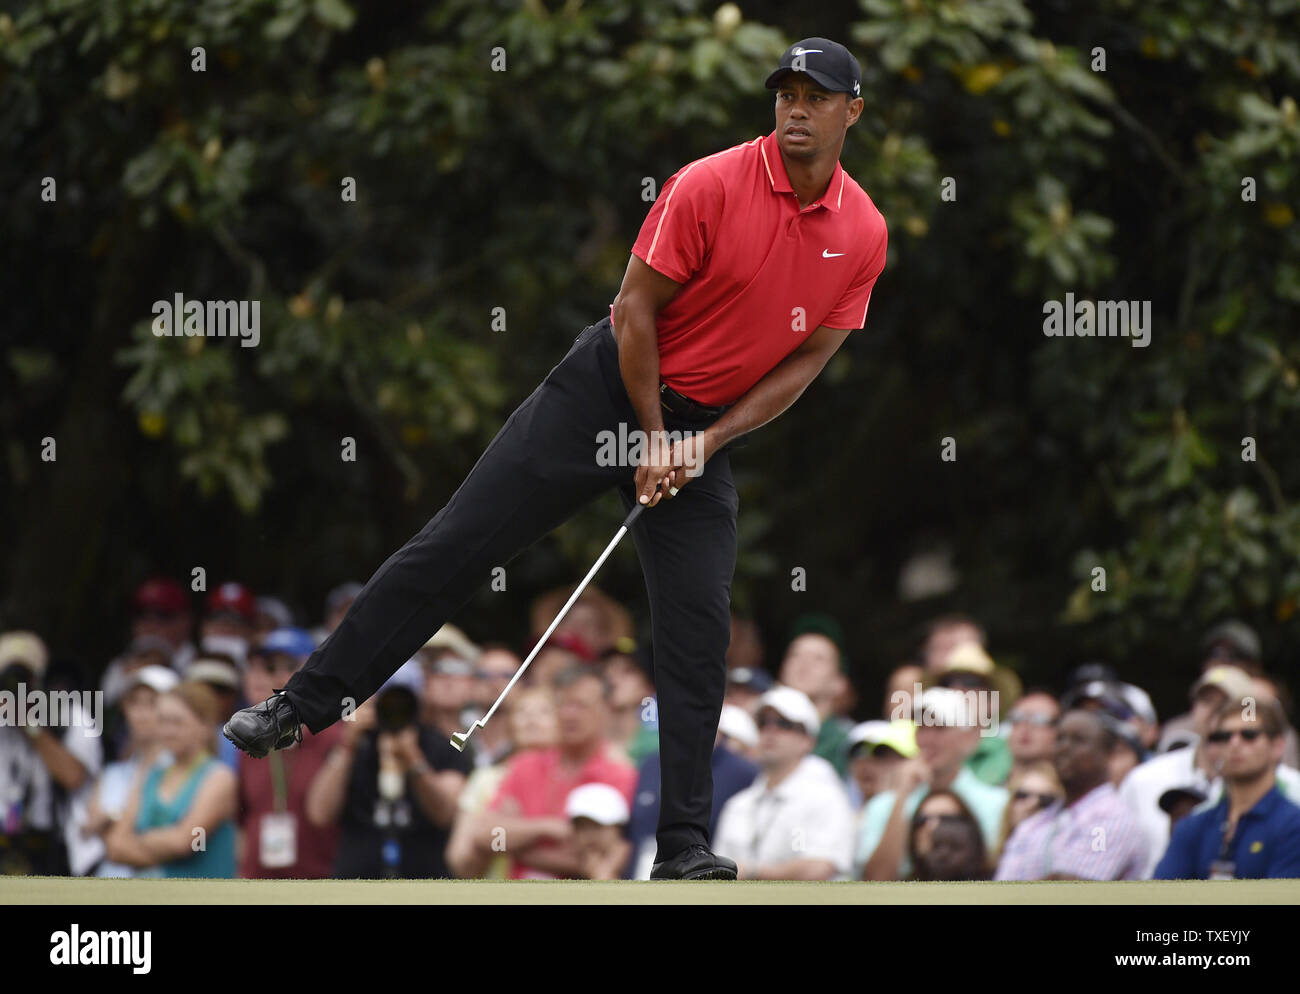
point(695, 863)
point(265, 727)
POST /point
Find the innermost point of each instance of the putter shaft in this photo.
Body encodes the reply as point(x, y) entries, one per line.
point(623, 529)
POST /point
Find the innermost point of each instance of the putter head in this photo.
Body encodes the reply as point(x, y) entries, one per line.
point(458, 739)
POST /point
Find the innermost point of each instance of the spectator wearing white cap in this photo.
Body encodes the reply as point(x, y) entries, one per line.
point(949, 732)
point(45, 773)
point(794, 822)
point(738, 732)
point(140, 750)
point(1194, 764)
point(599, 813)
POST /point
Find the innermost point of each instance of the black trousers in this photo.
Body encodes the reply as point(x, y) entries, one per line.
point(539, 470)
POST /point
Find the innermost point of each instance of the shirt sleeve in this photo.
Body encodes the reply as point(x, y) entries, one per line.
point(727, 841)
point(874, 817)
point(850, 313)
point(1285, 863)
point(1176, 863)
point(678, 233)
point(829, 835)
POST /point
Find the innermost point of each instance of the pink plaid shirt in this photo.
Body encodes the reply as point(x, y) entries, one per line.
point(1095, 838)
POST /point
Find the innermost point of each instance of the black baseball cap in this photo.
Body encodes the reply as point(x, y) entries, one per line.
point(824, 60)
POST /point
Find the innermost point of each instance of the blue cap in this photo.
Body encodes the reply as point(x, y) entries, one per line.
point(295, 642)
point(757, 680)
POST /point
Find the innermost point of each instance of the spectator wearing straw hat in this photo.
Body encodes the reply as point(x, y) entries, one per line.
point(967, 667)
point(449, 659)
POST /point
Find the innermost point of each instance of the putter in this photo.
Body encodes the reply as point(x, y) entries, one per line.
point(459, 739)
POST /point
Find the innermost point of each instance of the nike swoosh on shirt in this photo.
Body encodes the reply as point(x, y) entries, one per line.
point(828, 254)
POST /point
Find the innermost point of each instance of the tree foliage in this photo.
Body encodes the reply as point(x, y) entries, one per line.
point(522, 190)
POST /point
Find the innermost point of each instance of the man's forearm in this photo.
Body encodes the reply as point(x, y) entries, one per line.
point(884, 862)
point(65, 769)
point(519, 832)
point(796, 869)
point(638, 362)
point(768, 398)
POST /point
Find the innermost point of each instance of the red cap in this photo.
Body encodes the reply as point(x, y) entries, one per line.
point(160, 595)
point(232, 598)
point(574, 643)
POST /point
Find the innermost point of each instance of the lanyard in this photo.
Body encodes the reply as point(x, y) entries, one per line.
point(761, 833)
point(279, 781)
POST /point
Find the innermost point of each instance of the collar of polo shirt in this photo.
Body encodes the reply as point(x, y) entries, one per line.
point(831, 199)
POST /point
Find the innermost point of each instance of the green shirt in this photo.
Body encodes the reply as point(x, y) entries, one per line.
point(833, 744)
point(991, 760)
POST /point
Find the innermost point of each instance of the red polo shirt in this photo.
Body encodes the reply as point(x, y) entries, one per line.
point(758, 274)
point(539, 785)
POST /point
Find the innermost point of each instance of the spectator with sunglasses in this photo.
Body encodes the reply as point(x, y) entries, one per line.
point(1032, 740)
point(1034, 787)
point(945, 841)
point(1194, 764)
point(794, 822)
point(1254, 831)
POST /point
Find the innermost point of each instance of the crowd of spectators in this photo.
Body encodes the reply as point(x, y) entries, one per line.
point(961, 774)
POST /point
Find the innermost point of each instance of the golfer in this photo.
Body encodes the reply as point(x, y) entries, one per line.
point(748, 272)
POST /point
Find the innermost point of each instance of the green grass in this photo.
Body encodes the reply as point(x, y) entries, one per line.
point(77, 890)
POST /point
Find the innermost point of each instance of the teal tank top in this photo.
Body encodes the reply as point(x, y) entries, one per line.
point(218, 858)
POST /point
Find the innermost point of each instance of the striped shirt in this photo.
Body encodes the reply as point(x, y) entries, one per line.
point(1095, 838)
